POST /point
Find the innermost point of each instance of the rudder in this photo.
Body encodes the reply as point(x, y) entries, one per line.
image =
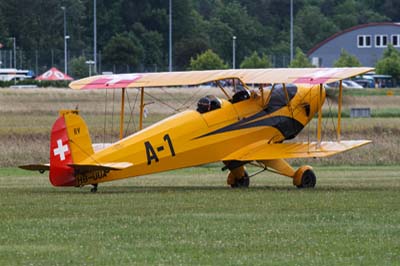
point(69, 143)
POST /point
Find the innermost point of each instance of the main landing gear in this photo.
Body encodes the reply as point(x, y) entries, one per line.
point(243, 182)
point(94, 188)
point(304, 177)
point(238, 177)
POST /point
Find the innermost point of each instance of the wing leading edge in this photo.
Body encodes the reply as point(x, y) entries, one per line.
point(265, 151)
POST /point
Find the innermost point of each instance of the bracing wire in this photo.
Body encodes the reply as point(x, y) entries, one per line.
point(162, 102)
point(105, 118)
point(171, 95)
point(84, 151)
point(132, 109)
point(191, 98)
point(330, 115)
point(309, 124)
point(182, 104)
point(112, 114)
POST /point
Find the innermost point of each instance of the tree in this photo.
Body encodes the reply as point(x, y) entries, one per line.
point(250, 33)
point(123, 50)
point(390, 63)
point(300, 60)
point(311, 27)
point(254, 61)
point(110, 19)
point(220, 38)
point(3, 28)
point(207, 60)
point(360, 14)
point(78, 67)
point(152, 43)
point(193, 40)
point(346, 60)
point(186, 48)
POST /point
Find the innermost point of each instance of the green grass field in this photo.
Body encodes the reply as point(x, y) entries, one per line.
point(189, 217)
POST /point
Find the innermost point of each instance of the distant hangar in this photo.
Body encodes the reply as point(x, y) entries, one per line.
point(367, 42)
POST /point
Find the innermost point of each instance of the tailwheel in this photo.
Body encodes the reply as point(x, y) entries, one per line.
point(243, 182)
point(94, 188)
point(305, 177)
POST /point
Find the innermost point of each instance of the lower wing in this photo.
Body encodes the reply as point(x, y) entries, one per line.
point(266, 151)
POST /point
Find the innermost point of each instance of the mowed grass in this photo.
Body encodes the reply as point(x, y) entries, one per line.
point(190, 217)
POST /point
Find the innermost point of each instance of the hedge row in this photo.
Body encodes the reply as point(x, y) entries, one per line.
point(38, 83)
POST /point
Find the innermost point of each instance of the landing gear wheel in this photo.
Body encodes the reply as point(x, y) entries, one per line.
point(243, 182)
point(94, 188)
point(308, 179)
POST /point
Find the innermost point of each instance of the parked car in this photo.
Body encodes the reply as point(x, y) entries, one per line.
point(346, 84)
point(366, 83)
point(350, 84)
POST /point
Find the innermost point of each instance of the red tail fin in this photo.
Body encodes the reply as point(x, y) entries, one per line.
point(70, 144)
point(60, 155)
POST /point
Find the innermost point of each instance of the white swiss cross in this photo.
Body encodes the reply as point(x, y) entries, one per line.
point(114, 79)
point(60, 150)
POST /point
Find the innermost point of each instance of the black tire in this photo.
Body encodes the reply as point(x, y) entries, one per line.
point(308, 179)
point(243, 182)
point(94, 188)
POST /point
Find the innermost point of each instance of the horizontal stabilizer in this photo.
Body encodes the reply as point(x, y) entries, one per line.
point(36, 167)
point(100, 146)
point(105, 166)
point(265, 151)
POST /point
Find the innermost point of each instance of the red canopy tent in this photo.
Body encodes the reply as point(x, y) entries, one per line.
point(53, 74)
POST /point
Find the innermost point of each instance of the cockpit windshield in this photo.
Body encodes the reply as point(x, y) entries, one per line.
point(278, 97)
point(239, 90)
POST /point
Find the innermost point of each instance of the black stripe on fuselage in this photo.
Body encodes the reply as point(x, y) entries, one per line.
point(288, 126)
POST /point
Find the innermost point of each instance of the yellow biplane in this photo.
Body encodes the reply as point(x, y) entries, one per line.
point(248, 126)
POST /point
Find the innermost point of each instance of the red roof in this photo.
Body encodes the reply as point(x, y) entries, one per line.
point(54, 74)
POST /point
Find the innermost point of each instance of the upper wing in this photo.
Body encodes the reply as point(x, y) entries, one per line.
point(264, 151)
point(258, 76)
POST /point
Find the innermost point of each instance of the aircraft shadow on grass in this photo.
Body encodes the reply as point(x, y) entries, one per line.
point(183, 189)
